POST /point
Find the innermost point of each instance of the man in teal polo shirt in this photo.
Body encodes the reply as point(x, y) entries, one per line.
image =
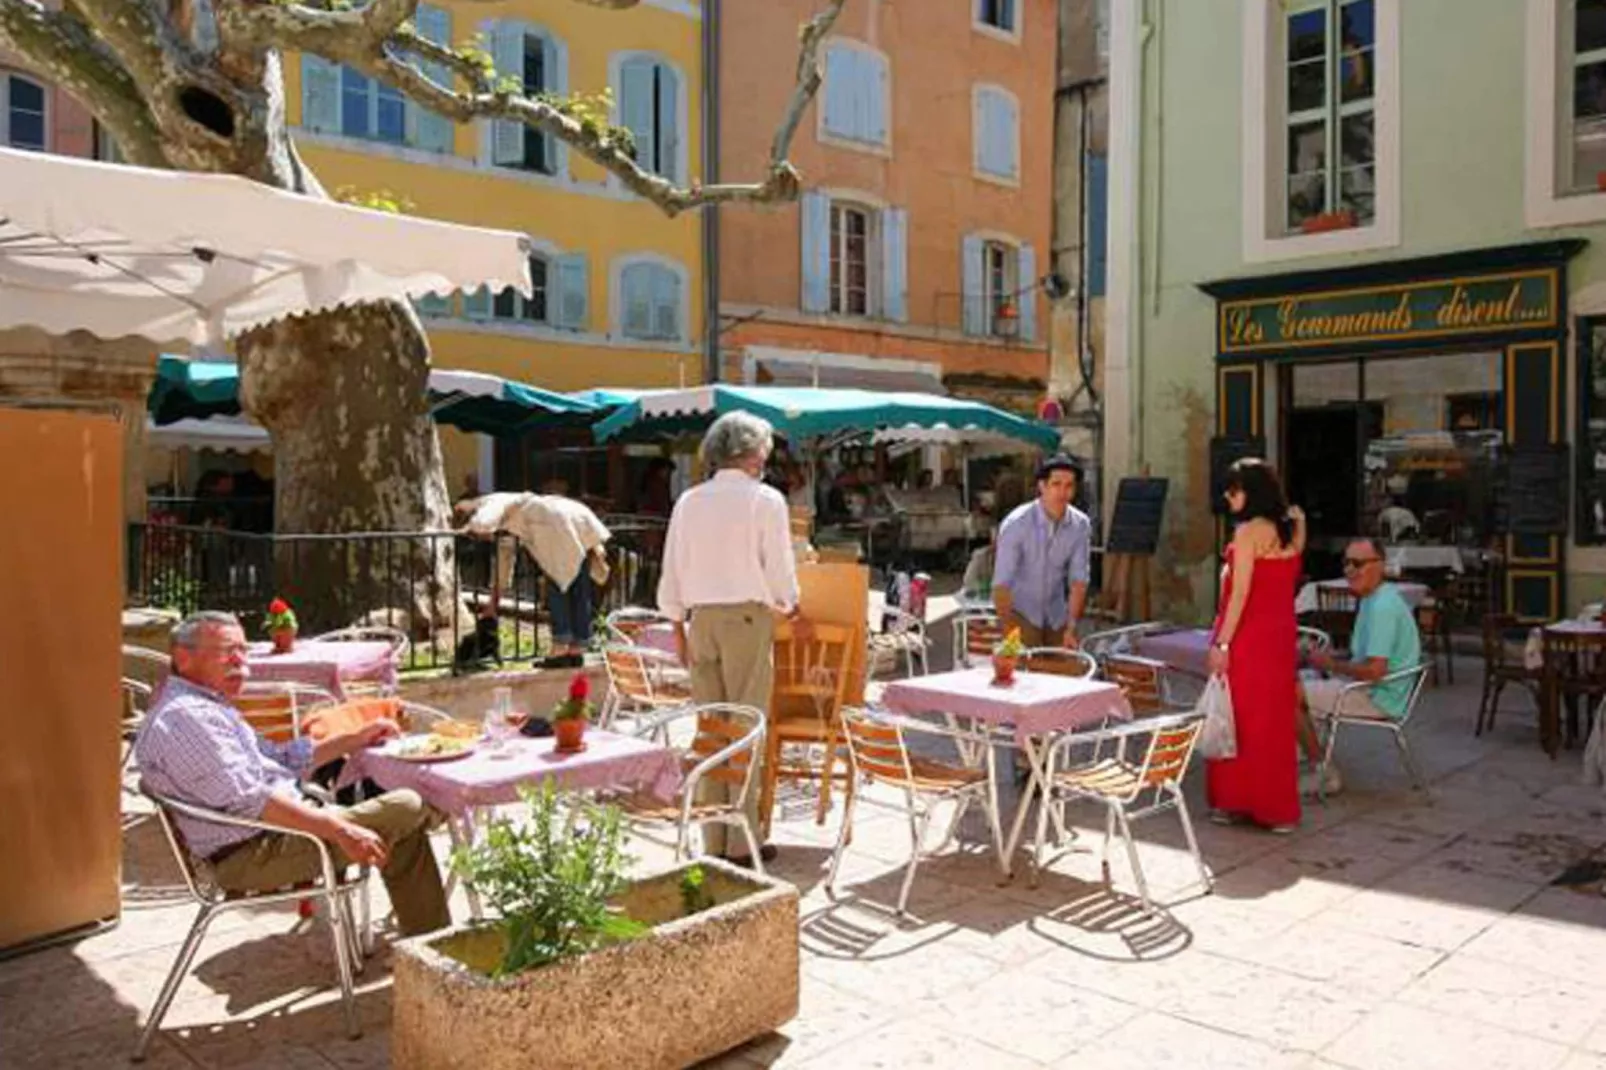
point(1385, 641)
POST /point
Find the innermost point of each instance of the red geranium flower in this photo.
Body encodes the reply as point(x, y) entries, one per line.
point(579, 687)
point(278, 606)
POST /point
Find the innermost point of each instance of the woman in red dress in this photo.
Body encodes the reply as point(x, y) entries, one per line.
point(1255, 643)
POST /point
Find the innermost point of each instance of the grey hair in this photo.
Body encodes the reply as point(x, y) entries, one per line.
point(1372, 543)
point(189, 630)
point(735, 437)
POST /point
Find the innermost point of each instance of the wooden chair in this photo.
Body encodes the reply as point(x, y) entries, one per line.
point(1059, 661)
point(642, 682)
point(976, 632)
point(274, 710)
point(812, 675)
point(1502, 665)
point(877, 753)
point(724, 742)
point(1119, 784)
point(1141, 680)
point(1574, 668)
point(1433, 624)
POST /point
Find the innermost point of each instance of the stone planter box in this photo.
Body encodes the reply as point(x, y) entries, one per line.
point(687, 990)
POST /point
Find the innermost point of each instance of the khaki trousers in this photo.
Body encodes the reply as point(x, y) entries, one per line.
point(732, 660)
point(1033, 637)
point(401, 818)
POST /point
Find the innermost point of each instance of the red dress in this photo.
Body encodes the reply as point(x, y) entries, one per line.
point(1262, 782)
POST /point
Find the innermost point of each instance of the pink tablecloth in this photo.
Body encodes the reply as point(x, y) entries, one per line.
point(1186, 650)
point(324, 665)
point(486, 778)
point(1036, 704)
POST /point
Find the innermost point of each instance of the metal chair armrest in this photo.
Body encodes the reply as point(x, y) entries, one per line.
point(200, 813)
point(1388, 678)
point(914, 724)
point(1140, 726)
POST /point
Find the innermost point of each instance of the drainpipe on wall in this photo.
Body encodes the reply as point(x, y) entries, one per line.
point(1123, 306)
point(710, 113)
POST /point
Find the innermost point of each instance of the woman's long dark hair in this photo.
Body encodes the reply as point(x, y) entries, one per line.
point(1263, 495)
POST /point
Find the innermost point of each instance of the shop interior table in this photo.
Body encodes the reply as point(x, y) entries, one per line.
point(1038, 709)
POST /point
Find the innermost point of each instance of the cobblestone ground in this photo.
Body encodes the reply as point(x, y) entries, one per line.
point(1391, 931)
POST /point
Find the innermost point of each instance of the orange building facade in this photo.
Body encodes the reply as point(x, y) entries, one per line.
point(917, 255)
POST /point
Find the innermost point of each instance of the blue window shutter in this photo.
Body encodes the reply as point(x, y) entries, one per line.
point(876, 77)
point(356, 103)
point(635, 300)
point(980, 134)
point(555, 64)
point(666, 303)
point(1098, 229)
point(1008, 139)
point(668, 123)
point(973, 294)
point(573, 300)
point(815, 216)
point(636, 108)
point(477, 304)
point(895, 265)
point(1026, 273)
point(507, 54)
point(840, 79)
point(432, 132)
point(320, 94)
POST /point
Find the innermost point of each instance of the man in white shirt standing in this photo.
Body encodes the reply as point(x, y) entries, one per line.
point(729, 569)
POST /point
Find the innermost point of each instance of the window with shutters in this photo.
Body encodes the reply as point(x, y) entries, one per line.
point(650, 297)
point(559, 296)
point(1002, 281)
point(652, 104)
point(514, 306)
point(996, 130)
point(25, 113)
point(106, 148)
point(540, 61)
point(999, 15)
point(855, 97)
point(1000, 287)
point(336, 99)
point(852, 229)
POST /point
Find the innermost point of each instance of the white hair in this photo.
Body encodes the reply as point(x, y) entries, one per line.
point(191, 628)
point(735, 437)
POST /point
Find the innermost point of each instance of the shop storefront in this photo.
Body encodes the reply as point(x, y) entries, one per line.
point(1423, 401)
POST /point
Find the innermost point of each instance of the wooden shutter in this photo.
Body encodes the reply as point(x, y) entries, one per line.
point(555, 70)
point(666, 303)
point(874, 79)
point(973, 299)
point(507, 53)
point(1098, 240)
point(895, 265)
point(1026, 281)
point(1005, 125)
point(573, 295)
point(432, 132)
point(636, 111)
point(668, 123)
point(815, 215)
point(840, 83)
point(979, 137)
point(320, 94)
point(635, 299)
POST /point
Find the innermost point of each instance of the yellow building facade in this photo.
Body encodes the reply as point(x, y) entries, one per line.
point(618, 298)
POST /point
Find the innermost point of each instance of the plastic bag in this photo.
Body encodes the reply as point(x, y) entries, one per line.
point(1219, 736)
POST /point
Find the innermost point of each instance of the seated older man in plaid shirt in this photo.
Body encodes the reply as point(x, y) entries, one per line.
point(196, 748)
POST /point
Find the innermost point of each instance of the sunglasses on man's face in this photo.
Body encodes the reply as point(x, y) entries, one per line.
point(1355, 564)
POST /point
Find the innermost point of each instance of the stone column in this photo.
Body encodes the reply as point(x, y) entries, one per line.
point(79, 370)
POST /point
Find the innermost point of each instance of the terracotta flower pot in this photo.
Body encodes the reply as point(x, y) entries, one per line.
point(570, 733)
point(1004, 669)
point(1600, 180)
point(284, 640)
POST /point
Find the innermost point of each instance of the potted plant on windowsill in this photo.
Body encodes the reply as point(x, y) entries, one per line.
point(580, 966)
point(280, 624)
point(1322, 222)
point(1006, 656)
point(1006, 319)
point(571, 716)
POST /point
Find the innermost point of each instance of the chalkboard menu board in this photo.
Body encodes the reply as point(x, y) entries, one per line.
point(1139, 509)
point(1224, 453)
point(1531, 490)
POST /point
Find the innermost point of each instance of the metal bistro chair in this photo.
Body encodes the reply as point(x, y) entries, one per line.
point(905, 634)
point(878, 753)
point(976, 632)
point(400, 645)
point(1143, 682)
point(724, 740)
point(335, 889)
point(1502, 665)
point(1059, 662)
point(1119, 641)
point(1119, 784)
point(625, 625)
point(274, 710)
point(642, 683)
point(1348, 712)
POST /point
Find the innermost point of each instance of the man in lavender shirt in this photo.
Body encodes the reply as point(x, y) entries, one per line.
point(1040, 572)
point(195, 747)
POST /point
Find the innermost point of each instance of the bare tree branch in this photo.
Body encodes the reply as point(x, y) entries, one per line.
point(62, 49)
point(372, 40)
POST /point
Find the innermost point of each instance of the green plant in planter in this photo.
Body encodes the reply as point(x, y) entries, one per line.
point(694, 897)
point(551, 880)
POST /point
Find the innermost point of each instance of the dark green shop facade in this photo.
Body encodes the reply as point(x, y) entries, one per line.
point(1424, 401)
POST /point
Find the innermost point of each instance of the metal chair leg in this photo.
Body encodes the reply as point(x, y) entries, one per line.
point(175, 977)
point(1327, 760)
point(1418, 781)
point(994, 820)
point(1109, 835)
point(917, 835)
point(1132, 856)
point(843, 835)
point(338, 927)
point(753, 851)
point(1193, 840)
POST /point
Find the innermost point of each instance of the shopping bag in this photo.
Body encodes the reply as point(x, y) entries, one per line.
point(1219, 736)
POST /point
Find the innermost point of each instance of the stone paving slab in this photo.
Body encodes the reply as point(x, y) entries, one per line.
point(1389, 931)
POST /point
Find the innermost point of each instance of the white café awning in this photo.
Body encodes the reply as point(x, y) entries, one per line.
point(181, 257)
point(230, 434)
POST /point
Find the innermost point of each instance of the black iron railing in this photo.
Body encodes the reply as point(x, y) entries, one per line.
point(429, 585)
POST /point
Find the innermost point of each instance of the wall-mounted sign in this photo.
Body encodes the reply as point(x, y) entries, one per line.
point(1479, 304)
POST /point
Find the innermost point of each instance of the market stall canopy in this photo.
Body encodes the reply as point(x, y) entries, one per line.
point(181, 257)
point(491, 405)
point(611, 397)
point(232, 434)
point(802, 412)
point(193, 389)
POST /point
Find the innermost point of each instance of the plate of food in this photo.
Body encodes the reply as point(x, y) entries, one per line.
point(430, 748)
